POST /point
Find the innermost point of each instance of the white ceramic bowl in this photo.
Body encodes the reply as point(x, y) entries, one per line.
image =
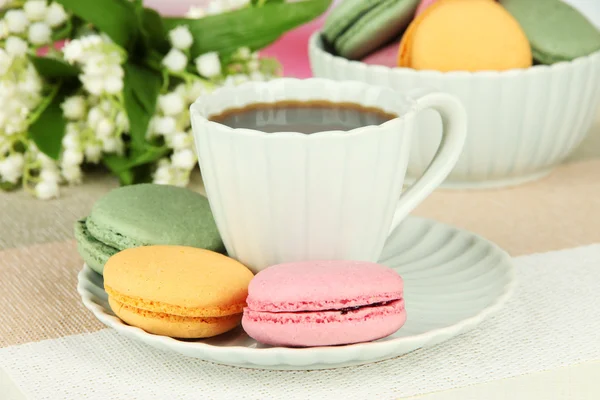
point(522, 122)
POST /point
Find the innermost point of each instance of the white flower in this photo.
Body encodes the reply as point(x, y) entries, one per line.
point(39, 33)
point(73, 51)
point(181, 89)
point(233, 80)
point(5, 62)
point(100, 75)
point(35, 9)
point(112, 145)
point(93, 152)
point(105, 106)
point(215, 7)
point(5, 145)
point(244, 53)
point(164, 125)
point(122, 121)
point(175, 60)
point(70, 140)
point(105, 128)
point(93, 84)
point(71, 156)
point(94, 65)
point(184, 159)
point(74, 107)
point(180, 140)
point(11, 168)
point(15, 46)
point(113, 84)
point(257, 76)
point(209, 65)
point(235, 4)
point(3, 29)
point(195, 12)
point(163, 174)
point(31, 85)
point(94, 117)
point(16, 20)
point(45, 161)
point(171, 103)
point(181, 37)
point(88, 41)
point(46, 190)
point(56, 15)
point(72, 173)
point(253, 65)
point(50, 175)
point(180, 178)
point(195, 90)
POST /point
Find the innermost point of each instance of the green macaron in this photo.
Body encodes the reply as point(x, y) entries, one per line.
point(556, 31)
point(142, 215)
point(94, 252)
point(356, 28)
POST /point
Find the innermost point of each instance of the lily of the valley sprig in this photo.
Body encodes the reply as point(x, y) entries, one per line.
point(109, 83)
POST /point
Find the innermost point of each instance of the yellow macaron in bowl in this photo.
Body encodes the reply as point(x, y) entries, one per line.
point(177, 291)
point(527, 72)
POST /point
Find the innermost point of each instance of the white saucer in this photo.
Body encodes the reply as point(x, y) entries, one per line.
point(454, 279)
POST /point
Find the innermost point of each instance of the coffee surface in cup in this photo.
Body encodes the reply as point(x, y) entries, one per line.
point(304, 117)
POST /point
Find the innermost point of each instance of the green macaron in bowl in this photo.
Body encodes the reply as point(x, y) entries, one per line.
point(523, 122)
point(142, 215)
point(357, 27)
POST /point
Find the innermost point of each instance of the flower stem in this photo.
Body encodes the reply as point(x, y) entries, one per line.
point(43, 105)
point(165, 85)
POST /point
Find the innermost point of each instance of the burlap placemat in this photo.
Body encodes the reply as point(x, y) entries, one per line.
point(38, 288)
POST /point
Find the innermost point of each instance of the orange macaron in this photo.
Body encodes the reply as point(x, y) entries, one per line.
point(464, 35)
point(177, 291)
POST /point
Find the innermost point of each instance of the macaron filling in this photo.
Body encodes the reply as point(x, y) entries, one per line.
point(172, 309)
point(360, 313)
point(380, 304)
point(322, 305)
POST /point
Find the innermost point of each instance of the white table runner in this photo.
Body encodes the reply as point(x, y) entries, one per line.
point(555, 306)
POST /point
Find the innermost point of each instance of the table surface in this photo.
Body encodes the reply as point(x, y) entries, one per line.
point(560, 211)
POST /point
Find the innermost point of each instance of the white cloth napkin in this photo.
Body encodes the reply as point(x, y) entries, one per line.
point(552, 321)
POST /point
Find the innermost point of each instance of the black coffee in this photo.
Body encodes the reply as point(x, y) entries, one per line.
point(304, 117)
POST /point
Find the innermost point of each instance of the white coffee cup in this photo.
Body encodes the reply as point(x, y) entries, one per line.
point(287, 196)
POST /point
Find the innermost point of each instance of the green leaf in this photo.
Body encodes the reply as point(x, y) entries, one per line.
point(254, 27)
point(50, 67)
point(48, 129)
point(153, 30)
point(118, 166)
point(116, 18)
point(135, 168)
point(7, 186)
point(147, 155)
point(140, 92)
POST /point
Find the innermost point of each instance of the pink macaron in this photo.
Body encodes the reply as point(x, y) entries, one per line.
point(324, 303)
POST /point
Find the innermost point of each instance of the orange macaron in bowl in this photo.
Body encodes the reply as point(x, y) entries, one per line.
point(527, 72)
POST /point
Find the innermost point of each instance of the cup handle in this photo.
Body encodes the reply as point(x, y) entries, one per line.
point(454, 132)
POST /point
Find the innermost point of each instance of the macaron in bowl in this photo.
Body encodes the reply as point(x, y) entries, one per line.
point(528, 108)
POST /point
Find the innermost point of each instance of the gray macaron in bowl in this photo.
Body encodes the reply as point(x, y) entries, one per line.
point(522, 122)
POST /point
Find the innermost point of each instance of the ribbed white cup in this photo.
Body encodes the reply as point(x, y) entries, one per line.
point(286, 196)
point(522, 122)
